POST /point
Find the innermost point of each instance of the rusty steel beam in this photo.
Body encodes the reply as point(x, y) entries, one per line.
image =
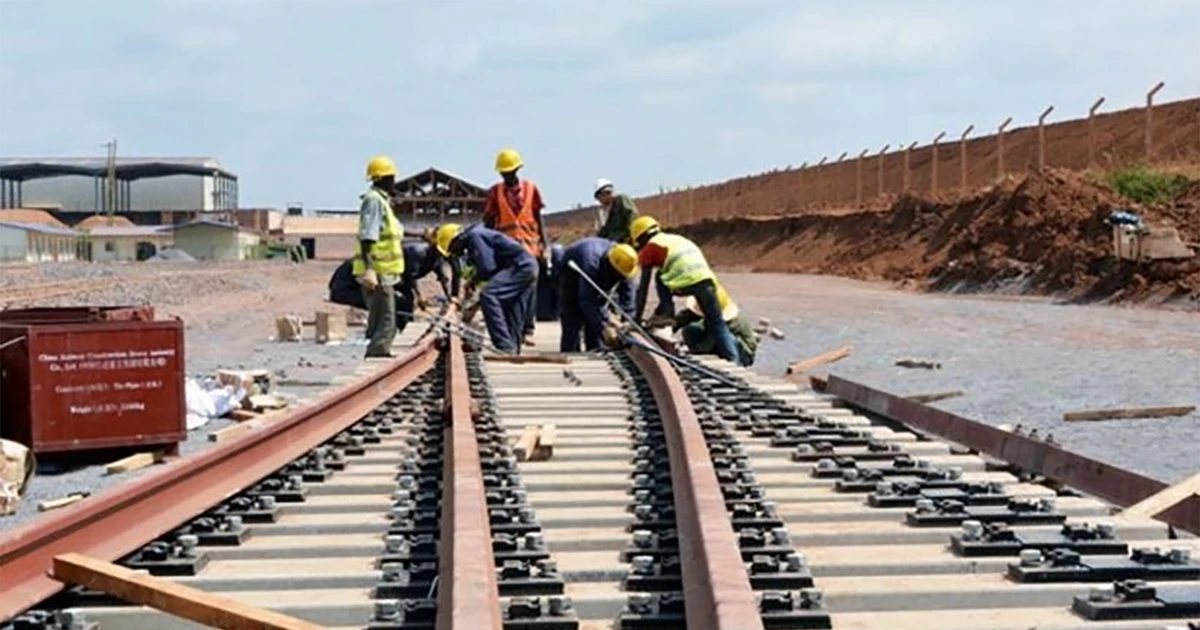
point(716, 585)
point(468, 597)
point(1116, 485)
point(117, 522)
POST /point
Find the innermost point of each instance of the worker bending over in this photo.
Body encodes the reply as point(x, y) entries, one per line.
point(617, 212)
point(690, 324)
point(509, 271)
point(514, 207)
point(378, 262)
point(681, 270)
point(584, 310)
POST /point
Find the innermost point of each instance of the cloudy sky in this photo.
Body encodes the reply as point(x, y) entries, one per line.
point(295, 95)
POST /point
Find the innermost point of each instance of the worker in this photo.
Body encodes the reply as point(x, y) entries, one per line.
point(344, 289)
point(509, 271)
point(618, 212)
point(690, 324)
point(584, 310)
point(548, 288)
point(681, 270)
point(514, 207)
point(378, 263)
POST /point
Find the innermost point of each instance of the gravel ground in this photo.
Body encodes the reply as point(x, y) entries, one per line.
point(1020, 361)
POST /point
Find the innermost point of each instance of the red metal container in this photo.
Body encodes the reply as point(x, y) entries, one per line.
point(92, 384)
point(71, 314)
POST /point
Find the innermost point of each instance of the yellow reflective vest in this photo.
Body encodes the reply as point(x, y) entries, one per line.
point(685, 264)
point(387, 254)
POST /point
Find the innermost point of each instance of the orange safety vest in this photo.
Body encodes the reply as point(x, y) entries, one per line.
point(521, 226)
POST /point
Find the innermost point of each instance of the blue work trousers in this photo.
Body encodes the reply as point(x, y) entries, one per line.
point(583, 311)
point(506, 301)
point(706, 296)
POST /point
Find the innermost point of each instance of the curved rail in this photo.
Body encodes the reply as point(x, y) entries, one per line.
point(716, 586)
point(117, 522)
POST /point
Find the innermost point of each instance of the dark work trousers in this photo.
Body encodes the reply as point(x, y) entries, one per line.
point(406, 301)
point(506, 301)
point(381, 319)
point(531, 313)
point(583, 311)
point(705, 293)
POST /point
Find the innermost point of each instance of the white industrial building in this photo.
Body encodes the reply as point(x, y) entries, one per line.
point(148, 190)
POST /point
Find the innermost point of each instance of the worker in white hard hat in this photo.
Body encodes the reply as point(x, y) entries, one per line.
point(618, 211)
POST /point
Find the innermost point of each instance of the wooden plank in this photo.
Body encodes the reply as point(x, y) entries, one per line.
point(526, 443)
point(928, 398)
point(231, 432)
point(528, 358)
point(800, 367)
point(242, 415)
point(545, 444)
point(170, 597)
point(134, 462)
point(1128, 413)
point(1160, 501)
point(54, 504)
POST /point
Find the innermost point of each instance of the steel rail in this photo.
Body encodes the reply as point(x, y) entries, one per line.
point(468, 595)
point(716, 586)
point(1110, 483)
point(112, 524)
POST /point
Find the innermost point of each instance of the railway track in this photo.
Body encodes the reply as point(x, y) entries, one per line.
point(668, 500)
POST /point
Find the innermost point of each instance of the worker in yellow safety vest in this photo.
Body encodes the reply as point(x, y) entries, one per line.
point(379, 255)
point(681, 270)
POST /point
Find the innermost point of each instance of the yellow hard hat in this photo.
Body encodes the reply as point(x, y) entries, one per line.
point(641, 226)
point(380, 166)
point(445, 235)
point(508, 160)
point(624, 259)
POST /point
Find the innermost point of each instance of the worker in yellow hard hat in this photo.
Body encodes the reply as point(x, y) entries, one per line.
point(610, 265)
point(689, 322)
point(681, 270)
point(378, 263)
point(508, 270)
point(514, 207)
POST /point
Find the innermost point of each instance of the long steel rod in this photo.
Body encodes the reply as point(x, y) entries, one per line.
point(716, 586)
point(116, 522)
point(468, 596)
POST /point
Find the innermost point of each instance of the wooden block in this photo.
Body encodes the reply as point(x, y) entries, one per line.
point(810, 363)
point(1128, 413)
point(928, 398)
point(133, 462)
point(289, 328)
point(1164, 499)
point(528, 358)
point(266, 401)
point(545, 443)
point(242, 415)
point(330, 327)
point(54, 504)
point(526, 443)
point(170, 597)
point(229, 433)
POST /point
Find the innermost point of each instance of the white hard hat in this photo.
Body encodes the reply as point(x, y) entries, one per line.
point(601, 184)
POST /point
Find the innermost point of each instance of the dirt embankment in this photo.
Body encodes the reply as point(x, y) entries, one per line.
point(1044, 233)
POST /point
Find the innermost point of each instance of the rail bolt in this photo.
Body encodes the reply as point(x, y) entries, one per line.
point(795, 562)
point(641, 495)
point(780, 536)
point(1179, 556)
point(387, 610)
point(642, 538)
point(1106, 530)
point(401, 495)
point(534, 541)
point(1030, 557)
point(561, 606)
point(641, 603)
point(643, 512)
point(1101, 594)
point(884, 488)
point(188, 543)
point(826, 463)
point(1046, 504)
point(400, 512)
point(394, 572)
point(811, 598)
point(407, 482)
point(972, 530)
point(395, 543)
point(69, 619)
point(924, 506)
point(769, 509)
point(643, 565)
point(234, 523)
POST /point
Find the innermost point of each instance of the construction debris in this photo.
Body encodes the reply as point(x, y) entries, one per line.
point(253, 381)
point(289, 328)
point(170, 597)
point(16, 469)
point(800, 367)
point(135, 462)
point(1128, 413)
point(536, 443)
point(526, 444)
point(775, 333)
point(356, 317)
point(54, 504)
point(266, 401)
point(919, 364)
point(330, 329)
point(928, 398)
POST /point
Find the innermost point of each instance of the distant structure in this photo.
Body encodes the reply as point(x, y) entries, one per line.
point(146, 190)
point(422, 199)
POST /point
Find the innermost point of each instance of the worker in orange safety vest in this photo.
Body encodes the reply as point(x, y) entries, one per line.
point(514, 208)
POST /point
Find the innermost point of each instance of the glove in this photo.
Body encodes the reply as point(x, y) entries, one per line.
point(422, 305)
point(612, 337)
point(369, 280)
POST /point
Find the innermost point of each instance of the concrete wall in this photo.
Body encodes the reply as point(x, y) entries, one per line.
point(13, 244)
point(23, 245)
point(121, 248)
point(210, 242)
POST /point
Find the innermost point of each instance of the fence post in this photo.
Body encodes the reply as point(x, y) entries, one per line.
point(1149, 117)
point(933, 183)
point(1000, 147)
point(879, 164)
point(836, 196)
point(858, 173)
point(1092, 131)
point(800, 177)
point(962, 156)
point(907, 177)
point(1042, 137)
point(819, 173)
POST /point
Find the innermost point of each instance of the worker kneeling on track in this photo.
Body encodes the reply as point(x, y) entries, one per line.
point(690, 324)
point(584, 310)
point(508, 270)
point(682, 270)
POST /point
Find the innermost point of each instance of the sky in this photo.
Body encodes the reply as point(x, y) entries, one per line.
point(295, 96)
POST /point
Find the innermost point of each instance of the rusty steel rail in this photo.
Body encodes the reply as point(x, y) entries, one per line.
point(468, 596)
point(716, 586)
point(117, 522)
point(1116, 485)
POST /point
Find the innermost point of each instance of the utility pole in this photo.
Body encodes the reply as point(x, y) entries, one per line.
point(112, 177)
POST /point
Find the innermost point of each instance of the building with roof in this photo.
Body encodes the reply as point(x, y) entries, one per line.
point(108, 239)
point(205, 239)
point(323, 237)
point(36, 242)
point(147, 190)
